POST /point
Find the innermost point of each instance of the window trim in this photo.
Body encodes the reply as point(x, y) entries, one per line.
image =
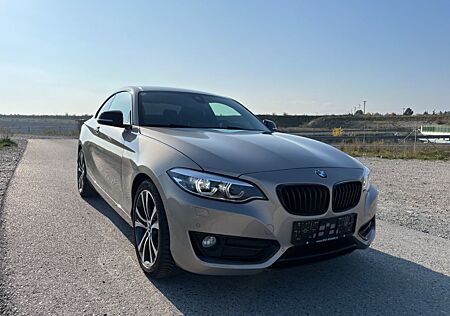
point(103, 104)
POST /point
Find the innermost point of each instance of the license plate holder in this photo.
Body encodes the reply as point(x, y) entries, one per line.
point(320, 230)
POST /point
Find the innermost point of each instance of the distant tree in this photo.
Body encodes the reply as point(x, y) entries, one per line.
point(425, 113)
point(285, 114)
point(408, 112)
point(359, 113)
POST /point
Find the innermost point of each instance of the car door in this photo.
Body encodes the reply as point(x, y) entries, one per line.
point(110, 148)
point(93, 146)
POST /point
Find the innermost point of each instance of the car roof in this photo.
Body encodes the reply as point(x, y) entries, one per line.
point(137, 89)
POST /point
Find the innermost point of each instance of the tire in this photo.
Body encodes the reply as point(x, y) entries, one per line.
point(85, 188)
point(151, 233)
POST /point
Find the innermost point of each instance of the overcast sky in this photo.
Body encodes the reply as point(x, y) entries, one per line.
point(274, 56)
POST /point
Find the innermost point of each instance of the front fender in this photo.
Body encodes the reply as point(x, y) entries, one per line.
point(151, 158)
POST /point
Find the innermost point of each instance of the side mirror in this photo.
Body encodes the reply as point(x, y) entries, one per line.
point(270, 125)
point(111, 118)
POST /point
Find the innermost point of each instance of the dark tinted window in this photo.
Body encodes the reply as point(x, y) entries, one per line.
point(183, 109)
point(122, 102)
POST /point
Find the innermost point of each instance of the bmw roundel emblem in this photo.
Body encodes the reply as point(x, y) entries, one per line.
point(321, 173)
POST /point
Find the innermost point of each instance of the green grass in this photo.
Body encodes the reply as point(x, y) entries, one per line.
point(398, 152)
point(6, 142)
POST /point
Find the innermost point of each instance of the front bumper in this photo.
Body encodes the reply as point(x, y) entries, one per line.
point(260, 220)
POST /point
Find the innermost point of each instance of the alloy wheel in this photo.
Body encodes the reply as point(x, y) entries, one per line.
point(146, 231)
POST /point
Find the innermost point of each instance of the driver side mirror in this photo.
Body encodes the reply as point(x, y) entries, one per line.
point(111, 118)
point(270, 125)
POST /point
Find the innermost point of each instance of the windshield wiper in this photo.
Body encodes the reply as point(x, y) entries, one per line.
point(230, 127)
point(239, 128)
point(171, 125)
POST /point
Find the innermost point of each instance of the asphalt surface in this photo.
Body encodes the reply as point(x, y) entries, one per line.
point(67, 256)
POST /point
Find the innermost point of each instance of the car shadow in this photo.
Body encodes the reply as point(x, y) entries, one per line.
point(103, 208)
point(364, 282)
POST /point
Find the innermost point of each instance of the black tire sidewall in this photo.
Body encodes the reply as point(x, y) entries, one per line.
point(83, 189)
point(87, 190)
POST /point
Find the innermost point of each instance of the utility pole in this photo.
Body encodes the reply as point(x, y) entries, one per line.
point(415, 137)
point(364, 112)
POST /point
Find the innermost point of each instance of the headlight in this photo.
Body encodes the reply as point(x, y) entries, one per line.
point(365, 180)
point(214, 186)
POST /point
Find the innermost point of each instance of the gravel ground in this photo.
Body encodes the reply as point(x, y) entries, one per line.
point(9, 158)
point(413, 193)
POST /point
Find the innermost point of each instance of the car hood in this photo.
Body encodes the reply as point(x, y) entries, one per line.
point(241, 152)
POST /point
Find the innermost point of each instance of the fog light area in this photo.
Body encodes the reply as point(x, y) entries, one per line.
point(209, 241)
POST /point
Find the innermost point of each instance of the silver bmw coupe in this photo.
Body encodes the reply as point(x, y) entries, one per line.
point(209, 188)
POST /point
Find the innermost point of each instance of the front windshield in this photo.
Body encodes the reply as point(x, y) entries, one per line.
point(192, 110)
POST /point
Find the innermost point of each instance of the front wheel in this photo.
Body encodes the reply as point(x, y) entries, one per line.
point(85, 188)
point(151, 232)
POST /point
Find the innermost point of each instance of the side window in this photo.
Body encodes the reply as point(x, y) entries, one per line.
point(105, 106)
point(220, 109)
point(228, 116)
point(122, 102)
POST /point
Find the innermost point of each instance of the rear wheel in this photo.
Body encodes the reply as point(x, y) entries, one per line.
point(85, 188)
point(151, 232)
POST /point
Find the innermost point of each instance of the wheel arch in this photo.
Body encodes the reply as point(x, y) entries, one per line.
point(138, 179)
point(141, 176)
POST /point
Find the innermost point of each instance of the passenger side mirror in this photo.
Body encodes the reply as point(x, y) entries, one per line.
point(111, 118)
point(270, 125)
